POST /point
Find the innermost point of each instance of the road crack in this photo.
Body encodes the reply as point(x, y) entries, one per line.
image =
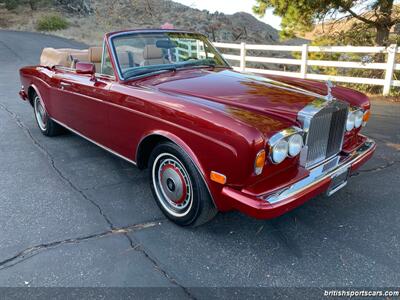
point(20, 124)
point(376, 169)
point(138, 247)
point(34, 250)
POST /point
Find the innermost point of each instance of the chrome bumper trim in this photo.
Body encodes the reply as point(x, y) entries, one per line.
point(319, 173)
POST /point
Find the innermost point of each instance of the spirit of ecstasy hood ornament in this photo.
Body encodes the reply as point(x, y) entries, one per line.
point(329, 86)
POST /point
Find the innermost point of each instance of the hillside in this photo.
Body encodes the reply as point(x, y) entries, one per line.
point(89, 19)
point(346, 24)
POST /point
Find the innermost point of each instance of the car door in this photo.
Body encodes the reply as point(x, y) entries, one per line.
point(79, 103)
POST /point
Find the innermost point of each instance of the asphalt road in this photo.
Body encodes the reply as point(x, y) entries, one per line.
point(73, 215)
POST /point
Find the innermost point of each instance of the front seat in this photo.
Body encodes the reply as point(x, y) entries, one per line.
point(95, 54)
point(153, 56)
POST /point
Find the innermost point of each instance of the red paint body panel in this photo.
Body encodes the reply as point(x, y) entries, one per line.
point(221, 118)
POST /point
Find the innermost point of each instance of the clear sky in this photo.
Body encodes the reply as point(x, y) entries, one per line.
point(231, 7)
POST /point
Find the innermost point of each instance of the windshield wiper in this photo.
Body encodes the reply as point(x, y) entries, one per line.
point(142, 73)
point(191, 66)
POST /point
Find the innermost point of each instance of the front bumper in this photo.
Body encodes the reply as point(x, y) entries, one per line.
point(266, 205)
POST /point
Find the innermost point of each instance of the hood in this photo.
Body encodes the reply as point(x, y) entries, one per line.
point(235, 89)
point(280, 97)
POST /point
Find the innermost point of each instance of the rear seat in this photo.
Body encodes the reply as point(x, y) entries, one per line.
point(69, 57)
point(60, 57)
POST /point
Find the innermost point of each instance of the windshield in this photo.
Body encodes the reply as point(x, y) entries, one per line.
point(142, 53)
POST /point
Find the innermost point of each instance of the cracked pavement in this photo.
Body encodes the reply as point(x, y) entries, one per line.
point(74, 215)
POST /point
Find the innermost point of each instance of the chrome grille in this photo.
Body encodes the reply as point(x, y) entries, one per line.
point(325, 126)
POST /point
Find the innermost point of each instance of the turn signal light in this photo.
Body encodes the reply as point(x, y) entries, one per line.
point(366, 117)
point(259, 162)
point(218, 177)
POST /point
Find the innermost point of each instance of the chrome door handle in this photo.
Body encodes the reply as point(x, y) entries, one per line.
point(64, 85)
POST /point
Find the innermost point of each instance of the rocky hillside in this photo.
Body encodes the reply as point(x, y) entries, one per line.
point(89, 19)
point(153, 13)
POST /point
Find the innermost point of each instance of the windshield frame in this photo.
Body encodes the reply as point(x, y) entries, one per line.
point(139, 32)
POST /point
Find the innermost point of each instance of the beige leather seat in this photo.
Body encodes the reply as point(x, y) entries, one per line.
point(153, 56)
point(123, 59)
point(79, 56)
point(95, 54)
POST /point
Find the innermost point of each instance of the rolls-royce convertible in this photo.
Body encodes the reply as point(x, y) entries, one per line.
point(212, 139)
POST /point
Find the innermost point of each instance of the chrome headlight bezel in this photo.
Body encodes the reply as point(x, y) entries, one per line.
point(279, 144)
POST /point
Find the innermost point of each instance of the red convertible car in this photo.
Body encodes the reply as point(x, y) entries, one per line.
point(212, 139)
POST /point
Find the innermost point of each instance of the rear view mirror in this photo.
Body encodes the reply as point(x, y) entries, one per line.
point(85, 68)
point(166, 44)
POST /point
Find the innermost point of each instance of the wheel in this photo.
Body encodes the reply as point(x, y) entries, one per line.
point(46, 125)
point(178, 188)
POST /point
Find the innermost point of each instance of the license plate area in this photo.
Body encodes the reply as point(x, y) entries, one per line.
point(339, 180)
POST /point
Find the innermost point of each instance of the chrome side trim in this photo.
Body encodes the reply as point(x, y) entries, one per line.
point(131, 161)
point(328, 169)
point(96, 143)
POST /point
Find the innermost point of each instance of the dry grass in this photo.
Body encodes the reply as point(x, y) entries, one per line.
point(26, 20)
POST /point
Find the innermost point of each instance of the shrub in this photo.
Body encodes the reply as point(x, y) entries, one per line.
point(51, 23)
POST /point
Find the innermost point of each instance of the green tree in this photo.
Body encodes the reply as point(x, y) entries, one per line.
point(300, 15)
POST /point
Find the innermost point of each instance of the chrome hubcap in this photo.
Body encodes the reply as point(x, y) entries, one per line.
point(40, 113)
point(172, 184)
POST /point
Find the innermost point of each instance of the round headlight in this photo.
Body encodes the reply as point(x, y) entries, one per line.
point(358, 118)
point(295, 144)
point(280, 151)
point(350, 121)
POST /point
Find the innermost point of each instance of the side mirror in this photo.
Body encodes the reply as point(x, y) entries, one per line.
point(85, 68)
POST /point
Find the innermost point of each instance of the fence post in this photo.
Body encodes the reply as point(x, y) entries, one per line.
point(190, 49)
point(242, 57)
point(304, 58)
point(391, 50)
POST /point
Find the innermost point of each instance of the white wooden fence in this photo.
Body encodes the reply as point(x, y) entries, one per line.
point(390, 66)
